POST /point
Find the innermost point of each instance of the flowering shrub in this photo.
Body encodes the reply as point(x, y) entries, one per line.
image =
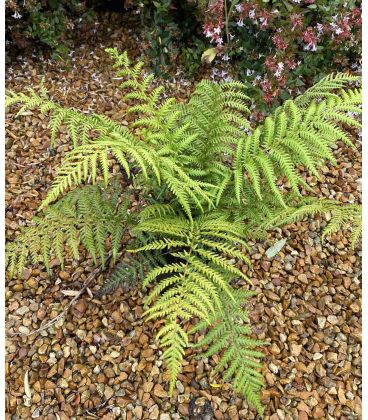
point(171, 33)
point(281, 45)
point(46, 21)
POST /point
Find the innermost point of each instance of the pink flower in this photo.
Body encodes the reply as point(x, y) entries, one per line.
point(310, 38)
point(270, 63)
point(217, 8)
point(279, 42)
point(291, 64)
point(296, 21)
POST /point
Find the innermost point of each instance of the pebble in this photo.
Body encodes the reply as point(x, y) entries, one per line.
point(180, 387)
point(273, 368)
point(159, 391)
point(23, 330)
point(138, 410)
point(332, 319)
point(36, 413)
point(22, 310)
point(109, 392)
point(295, 349)
point(154, 412)
point(321, 320)
point(64, 275)
point(62, 383)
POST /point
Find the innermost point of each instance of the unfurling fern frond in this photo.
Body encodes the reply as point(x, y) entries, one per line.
point(202, 253)
point(87, 216)
point(301, 132)
point(230, 335)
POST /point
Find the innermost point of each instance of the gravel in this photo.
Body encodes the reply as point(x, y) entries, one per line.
point(101, 361)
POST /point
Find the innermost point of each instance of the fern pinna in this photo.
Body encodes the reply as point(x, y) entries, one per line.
point(209, 181)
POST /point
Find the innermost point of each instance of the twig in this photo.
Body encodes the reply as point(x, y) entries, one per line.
point(11, 134)
point(75, 298)
point(30, 164)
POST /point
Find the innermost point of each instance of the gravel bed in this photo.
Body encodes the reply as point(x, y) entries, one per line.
point(101, 361)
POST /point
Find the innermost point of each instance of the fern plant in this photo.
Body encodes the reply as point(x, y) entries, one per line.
point(208, 182)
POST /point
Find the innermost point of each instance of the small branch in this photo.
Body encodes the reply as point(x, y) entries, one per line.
point(11, 134)
point(88, 280)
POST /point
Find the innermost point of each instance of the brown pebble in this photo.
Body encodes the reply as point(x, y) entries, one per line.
point(302, 415)
point(23, 351)
point(49, 385)
point(64, 275)
point(318, 412)
point(80, 307)
point(159, 391)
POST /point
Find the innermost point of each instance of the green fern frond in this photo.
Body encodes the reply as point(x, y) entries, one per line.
point(85, 216)
point(201, 269)
point(229, 335)
point(126, 274)
point(79, 125)
point(301, 132)
point(341, 214)
point(327, 87)
point(174, 340)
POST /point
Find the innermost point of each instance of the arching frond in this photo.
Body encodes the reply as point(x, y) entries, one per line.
point(192, 285)
point(301, 132)
point(86, 216)
point(230, 335)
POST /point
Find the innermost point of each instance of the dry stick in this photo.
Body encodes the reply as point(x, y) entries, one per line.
point(75, 298)
point(11, 134)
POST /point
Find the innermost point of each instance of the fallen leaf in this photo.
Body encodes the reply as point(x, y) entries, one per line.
point(216, 385)
point(209, 55)
point(27, 389)
point(70, 292)
point(275, 248)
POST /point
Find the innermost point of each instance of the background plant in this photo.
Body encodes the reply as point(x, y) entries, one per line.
point(172, 31)
point(210, 183)
point(281, 45)
point(45, 21)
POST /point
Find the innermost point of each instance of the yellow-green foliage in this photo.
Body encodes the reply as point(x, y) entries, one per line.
point(230, 334)
point(301, 132)
point(341, 215)
point(194, 283)
point(210, 182)
point(87, 216)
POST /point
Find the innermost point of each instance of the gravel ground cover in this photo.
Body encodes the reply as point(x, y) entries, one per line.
point(100, 361)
